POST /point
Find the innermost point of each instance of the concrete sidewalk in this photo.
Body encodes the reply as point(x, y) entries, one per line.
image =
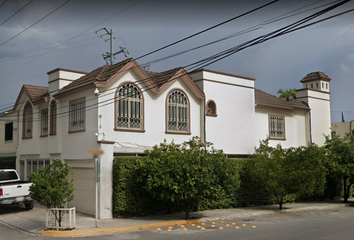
point(33, 222)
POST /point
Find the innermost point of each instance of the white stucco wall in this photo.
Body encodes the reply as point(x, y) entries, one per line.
point(319, 102)
point(295, 128)
point(320, 120)
point(8, 146)
point(59, 78)
point(232, 129)
point(154, 117)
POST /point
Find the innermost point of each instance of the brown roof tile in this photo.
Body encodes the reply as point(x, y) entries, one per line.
point(161, 78)
point(101, 74)
point(315, 76)
point(264, 99)
point(36, 93)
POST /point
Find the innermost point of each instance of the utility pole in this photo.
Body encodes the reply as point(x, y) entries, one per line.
point(109, 56)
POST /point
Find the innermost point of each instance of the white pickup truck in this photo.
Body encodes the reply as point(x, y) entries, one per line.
point(13, 191)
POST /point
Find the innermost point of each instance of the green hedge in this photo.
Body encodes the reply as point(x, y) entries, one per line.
point(130, 198)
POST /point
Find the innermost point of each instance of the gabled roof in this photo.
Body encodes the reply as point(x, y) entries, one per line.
point(104, 76)
point(266, 100)
point(35, 94)
point(101, 74)
point(314, 76)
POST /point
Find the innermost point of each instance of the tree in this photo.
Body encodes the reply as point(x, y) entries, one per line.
point(187, 173)
point(287, 94)
point(293, 171)
point(341, 160)
point(51, 186)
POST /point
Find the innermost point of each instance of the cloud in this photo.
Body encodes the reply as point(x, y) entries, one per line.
point(350, 56)
point(344, 68)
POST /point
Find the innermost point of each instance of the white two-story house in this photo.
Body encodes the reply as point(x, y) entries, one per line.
point(125, 110)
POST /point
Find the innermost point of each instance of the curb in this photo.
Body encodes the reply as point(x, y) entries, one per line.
point(102, 231)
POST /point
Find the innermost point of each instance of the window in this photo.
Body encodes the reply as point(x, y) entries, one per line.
point(129, 107)
point(31, 165)
point(77, 115)
point(177, 112)
point(44, 122)
point(322, 85)
point(311, 85)
point(27, 121)
point(9, 127)
point(53, 118)
point(211, 108)
point(333, 133)
point(326, 85)
point(276, 127)
point(317, 85)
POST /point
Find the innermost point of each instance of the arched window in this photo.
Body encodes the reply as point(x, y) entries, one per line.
point(53, 118)
point(177, 112)
point(211, 109)
point(27, 121)
point(129, 108)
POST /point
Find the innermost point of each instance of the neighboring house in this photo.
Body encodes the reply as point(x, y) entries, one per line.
point(342, 128)
point(124, 110)
point(8, 139)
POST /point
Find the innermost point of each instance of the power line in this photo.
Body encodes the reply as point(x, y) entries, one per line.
point(15, 12)
point(51, 52)
point(248, 30)
point(3, 3)
point(44, 47)
point(70, 39)
point(280, 32)
point(226, 53)
point(205, 30)
point(35, 23)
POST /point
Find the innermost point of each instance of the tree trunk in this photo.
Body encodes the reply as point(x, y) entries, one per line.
point(188, 206)
point(280, 201)
point(346, 190)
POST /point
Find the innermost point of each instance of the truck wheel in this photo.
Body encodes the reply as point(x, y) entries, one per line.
point(29, 206)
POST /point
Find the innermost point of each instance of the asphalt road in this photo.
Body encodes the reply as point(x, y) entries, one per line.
point(324, 224)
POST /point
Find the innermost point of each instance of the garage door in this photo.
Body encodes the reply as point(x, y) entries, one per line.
point(84, 194)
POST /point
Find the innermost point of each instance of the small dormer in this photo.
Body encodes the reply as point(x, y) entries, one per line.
point(316, 81)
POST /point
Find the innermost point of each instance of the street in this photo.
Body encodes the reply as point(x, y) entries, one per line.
point(323, 224)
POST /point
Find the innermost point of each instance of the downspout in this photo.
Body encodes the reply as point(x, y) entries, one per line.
point(204, 122)
point(18, 140)
point(310, 126)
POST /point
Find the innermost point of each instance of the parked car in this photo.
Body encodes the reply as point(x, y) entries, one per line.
point(13, 191)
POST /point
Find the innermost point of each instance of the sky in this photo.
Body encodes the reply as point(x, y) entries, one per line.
point(37, 36)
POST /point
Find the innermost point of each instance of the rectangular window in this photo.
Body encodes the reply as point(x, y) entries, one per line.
point(31, 165)
point(9, 127)
point(276, 127)
point(77, 115)
point(44, 122)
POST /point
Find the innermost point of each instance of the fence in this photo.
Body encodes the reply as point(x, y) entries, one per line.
point(61, 218)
